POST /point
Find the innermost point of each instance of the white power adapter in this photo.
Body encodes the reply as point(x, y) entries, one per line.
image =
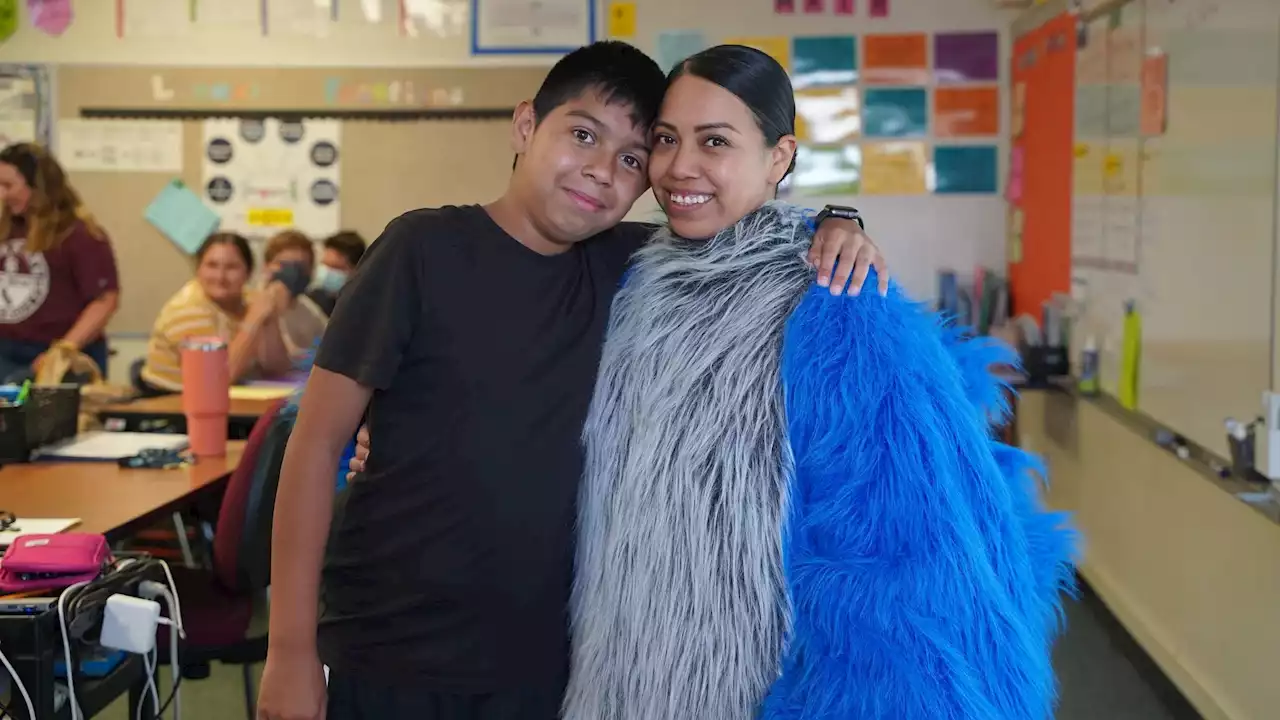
point(129, 624)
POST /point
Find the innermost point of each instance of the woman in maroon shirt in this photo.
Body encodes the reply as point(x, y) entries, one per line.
point(58, 281)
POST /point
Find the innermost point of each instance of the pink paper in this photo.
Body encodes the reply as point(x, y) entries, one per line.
point(1013, 191)
point(784, 7)
point(879, 8)
point(51, 16)
point(844, 7)
point(815, 7)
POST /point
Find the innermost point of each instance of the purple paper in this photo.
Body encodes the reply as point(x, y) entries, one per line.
point(964, 57)
point(51, 16)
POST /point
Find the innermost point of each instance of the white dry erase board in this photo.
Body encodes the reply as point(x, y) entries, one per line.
point(1183, 221)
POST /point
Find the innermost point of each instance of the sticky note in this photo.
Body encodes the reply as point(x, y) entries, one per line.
point(622, 19)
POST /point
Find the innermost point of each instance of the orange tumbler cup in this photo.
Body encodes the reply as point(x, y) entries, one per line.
point(206, 395)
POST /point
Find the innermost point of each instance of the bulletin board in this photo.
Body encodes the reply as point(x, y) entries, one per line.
point(1043, 63)
point(1165, 195)
point(410, 138)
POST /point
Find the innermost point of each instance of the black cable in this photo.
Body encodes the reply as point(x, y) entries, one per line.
point(173, 692)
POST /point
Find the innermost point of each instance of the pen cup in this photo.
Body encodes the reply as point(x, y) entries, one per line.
point(1043, 362)
point(206, 395)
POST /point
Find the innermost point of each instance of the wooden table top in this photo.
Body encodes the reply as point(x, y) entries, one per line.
point(171, 406)
point(108, 499)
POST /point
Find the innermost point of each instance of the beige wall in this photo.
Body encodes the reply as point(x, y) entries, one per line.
point(1191, 571)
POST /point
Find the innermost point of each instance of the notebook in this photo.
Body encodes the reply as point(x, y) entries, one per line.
point(110, 446)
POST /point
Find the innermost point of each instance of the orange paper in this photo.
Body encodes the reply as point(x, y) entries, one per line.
point(966, 111)
point(1155, 98)
point(896, 59)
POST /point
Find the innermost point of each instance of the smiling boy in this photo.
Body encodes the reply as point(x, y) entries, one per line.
point(472, 335)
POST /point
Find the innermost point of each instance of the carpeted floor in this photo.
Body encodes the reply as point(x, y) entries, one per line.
point(1101, 679)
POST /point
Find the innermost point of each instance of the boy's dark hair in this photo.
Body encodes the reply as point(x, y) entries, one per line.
point(619, 72)
point(349, 244)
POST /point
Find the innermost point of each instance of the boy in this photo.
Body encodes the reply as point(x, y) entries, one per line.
point(342, 252)
point(476, 332)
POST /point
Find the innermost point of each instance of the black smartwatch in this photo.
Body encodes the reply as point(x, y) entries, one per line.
point(842, 212)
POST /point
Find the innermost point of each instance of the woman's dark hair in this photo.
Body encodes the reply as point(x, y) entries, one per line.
point(755, 78)
point(227, 238)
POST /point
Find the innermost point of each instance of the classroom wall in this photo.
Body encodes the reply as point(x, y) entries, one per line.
point(1192, 572)
point(919, 233)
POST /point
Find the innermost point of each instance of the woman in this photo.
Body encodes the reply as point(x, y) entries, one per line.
point(215, 303)
point(792, 505)
point(58, 280)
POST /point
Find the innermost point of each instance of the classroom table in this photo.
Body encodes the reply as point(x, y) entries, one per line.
point(109, 499)
point(164, 414)
point(113, 501)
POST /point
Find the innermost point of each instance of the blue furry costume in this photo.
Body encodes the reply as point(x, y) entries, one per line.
point(793, 506)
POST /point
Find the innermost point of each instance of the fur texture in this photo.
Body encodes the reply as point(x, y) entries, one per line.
point(925, 579)
point(897, 568)
point(685, 483)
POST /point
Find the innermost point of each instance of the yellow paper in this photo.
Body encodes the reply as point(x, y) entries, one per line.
point(1014, 241)
point(1081, 150)
point(894, 168)
point(270, 217)
point(1114, 165)
point(260, 392)
point(828, 115)
point(778, 48)
point(622, 19)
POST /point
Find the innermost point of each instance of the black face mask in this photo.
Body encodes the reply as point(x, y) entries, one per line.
point(295, 276)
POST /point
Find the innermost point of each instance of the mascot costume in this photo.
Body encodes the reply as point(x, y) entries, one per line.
point(793, 506)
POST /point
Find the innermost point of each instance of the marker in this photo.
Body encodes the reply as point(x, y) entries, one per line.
point(22, 394)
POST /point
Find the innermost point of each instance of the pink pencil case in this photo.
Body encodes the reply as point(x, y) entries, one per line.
point(52, 562)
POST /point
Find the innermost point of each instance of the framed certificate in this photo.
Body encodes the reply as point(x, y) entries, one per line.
point(531, 27)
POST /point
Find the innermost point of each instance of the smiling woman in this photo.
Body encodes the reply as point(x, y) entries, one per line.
point(764, 463)
point(58, 280)
point(721, 123)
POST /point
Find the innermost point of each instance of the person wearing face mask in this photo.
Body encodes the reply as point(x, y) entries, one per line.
point(342, 252)
point(58, 279)
point(290, 257)
point(217, 302)
point(792, 505)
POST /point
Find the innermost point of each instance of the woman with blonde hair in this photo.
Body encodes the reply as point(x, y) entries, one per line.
point(58, 281)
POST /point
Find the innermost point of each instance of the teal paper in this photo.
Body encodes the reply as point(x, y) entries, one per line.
point(895, 112)
point(676, 45)
point(965, 169)
point(181, 216)
point(824, 61)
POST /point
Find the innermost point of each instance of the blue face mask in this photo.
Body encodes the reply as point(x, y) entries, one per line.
point(329, 279)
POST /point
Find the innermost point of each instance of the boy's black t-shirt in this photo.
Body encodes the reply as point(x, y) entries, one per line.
point(450, 563)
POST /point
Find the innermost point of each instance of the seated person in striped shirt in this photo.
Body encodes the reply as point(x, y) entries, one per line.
point(217, 303)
